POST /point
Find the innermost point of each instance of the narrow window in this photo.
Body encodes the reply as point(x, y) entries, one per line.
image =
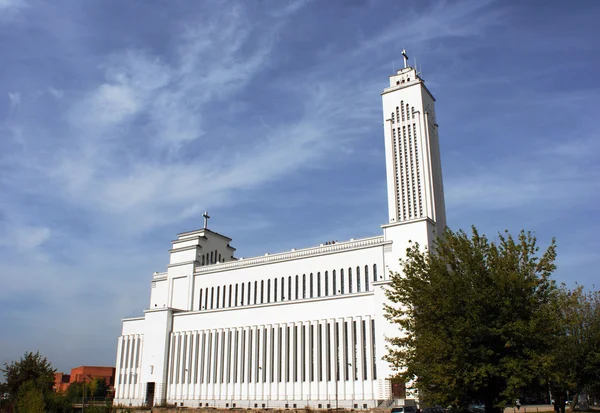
point(320, 350)
point(203, 259)
point(218, 295)
point(346, 358)
point(334, 282)
point(357, 279)
point(297, 287)
point(262, 293)
point(249, 356)
point(366, 278)
point(374, 272)
point(243, 360)
point(211, 257)
point(311, 338)
point(255, 290)
point(318, 284)
point(282, 288)
point(303, 286)
point(311, 285)
point(364, 348)
point(342, 281)
point(303, 353)
point(289, 288)
point(326, 283)
point(295, 353)
point(249, 292)
point(374, 361)
point(350, 280)
point(219, 257)
point(328, 347)
point(242, 294)
point(212, 296)
point(224, 288)
point(230, 289)
point(268, 291)
point(275, 290)
point(206, 298)
point(235, 303)
point(200, 300)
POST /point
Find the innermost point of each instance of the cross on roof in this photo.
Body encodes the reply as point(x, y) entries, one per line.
point(206, 218)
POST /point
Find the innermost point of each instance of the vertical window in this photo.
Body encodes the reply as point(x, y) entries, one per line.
point(206, 298)
point(255, 290)
point(275, 290)
point(203, 259)
point(326, 283)
point(243, 360)
point(268, 291)
point(374, 272)
point(218, 295)
point(235, 303)
point(311, 349)
point(303, 353)
point(249, 364)
point(318, 284)
point(211, 257)
point(262, 294)
point(219, 258)
point(342, 281)
point(249, 291)
point(242, 294)
point(224, 288)
point(289, 288)
point(364, 348)
point(354, 351)
point(303, 288)
point(337, 351)
point(334, 282)
point(320, 350)
point(230, 289)
point(350, 280)
point(295, 353)
point(357, 279)
point(328, 347)
point(311, 285)
point(366, 278)
point(282, 288)
point(212, 295)
point(374, 361)
point(287, 354)
point(200, 300)
point(346, 358)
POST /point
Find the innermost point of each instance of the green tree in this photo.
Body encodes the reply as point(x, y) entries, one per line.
point(476, 318)
point(32, 367)
point(574, 364)
point(30, 398)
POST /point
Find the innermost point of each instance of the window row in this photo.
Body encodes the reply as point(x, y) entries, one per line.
point(341, 350)
point(286, 289)
point(211, 258)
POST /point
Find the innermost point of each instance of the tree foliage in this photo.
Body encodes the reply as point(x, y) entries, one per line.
point(33, 368)
point(476, 317)
point(30, 398)
point(574, 364)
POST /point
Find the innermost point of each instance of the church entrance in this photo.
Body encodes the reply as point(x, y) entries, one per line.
point(150, 394)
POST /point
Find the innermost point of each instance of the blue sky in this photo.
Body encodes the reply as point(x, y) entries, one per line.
point(121, 122)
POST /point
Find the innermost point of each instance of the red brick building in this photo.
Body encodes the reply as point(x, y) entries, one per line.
point(84, 374)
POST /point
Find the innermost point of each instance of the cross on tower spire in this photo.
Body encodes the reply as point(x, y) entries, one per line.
point(405, 56)
point(206, 218)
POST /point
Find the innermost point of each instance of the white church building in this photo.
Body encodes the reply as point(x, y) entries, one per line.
point(298, 328)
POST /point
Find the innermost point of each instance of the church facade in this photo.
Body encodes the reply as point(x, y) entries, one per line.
point(298, 328)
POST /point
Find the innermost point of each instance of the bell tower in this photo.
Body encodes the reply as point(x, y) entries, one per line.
point(413, 164)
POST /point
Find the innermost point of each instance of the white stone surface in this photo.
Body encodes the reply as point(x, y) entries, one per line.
point(267, 331)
